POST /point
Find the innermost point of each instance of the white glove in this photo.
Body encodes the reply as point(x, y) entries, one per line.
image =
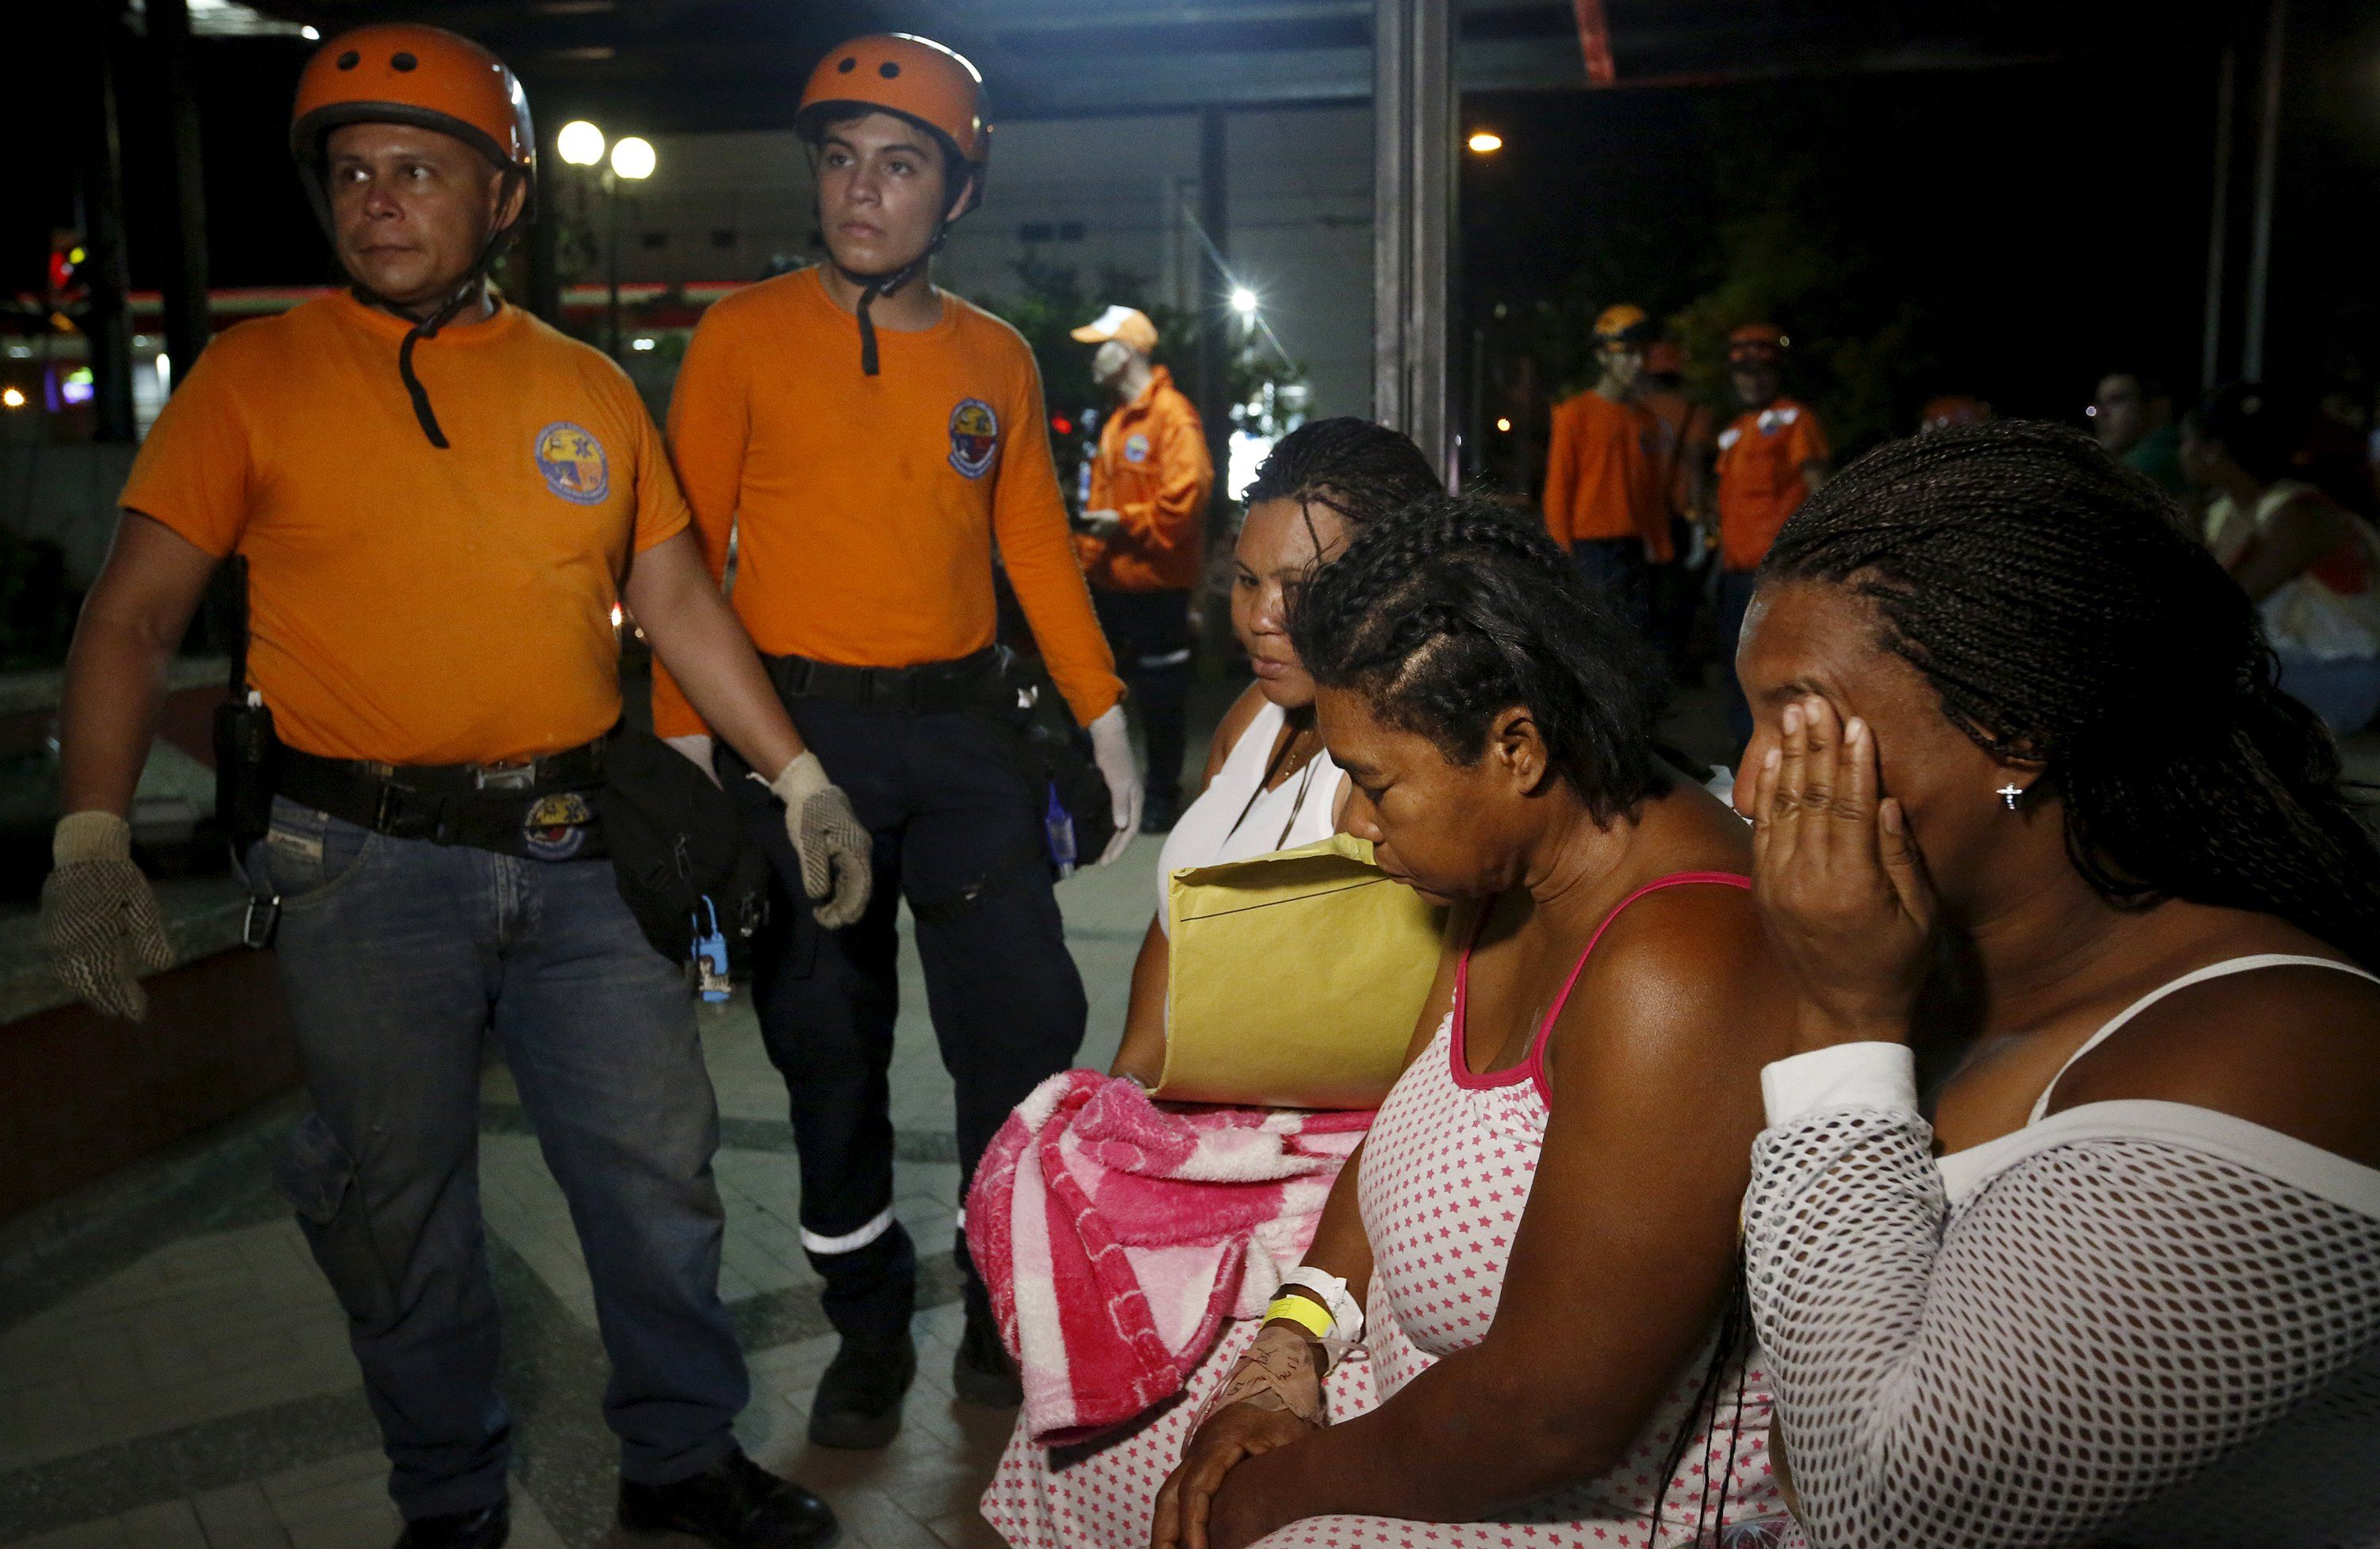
point(696, 745)
point(99, 916)
point(1112, 751)
point(827, 835)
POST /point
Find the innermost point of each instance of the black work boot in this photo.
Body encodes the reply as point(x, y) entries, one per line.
point(981, 1372)
point(857, 1405)
point(485, 1528)
point(734, 1504)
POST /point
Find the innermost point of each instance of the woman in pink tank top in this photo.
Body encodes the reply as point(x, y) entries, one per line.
point(1541, 1228)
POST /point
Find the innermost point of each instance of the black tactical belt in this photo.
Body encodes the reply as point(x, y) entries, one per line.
point(966, 683)
point(543, 808)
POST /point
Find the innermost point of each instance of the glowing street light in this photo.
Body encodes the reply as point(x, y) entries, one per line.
point(580, 143)
point(1484, 142)
point(1243, 301)
point(633, 159)
point(12, 398)
point(311, 34)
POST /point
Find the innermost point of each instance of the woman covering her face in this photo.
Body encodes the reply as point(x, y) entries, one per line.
point(2017, 729)
point(1537, 1243)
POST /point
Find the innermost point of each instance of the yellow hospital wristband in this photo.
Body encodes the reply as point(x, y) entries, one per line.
point(1309, 1316)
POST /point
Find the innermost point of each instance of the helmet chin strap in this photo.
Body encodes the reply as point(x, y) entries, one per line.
point(871, 286)
point(446, 311)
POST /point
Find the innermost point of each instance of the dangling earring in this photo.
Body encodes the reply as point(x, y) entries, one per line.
point(2010, 793)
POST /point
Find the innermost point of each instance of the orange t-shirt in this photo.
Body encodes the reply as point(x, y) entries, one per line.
point(1601, 481)
point(1682, 437)
point(1760, 462)
point(865, 508)
point(1152, 470)
point(410, 605)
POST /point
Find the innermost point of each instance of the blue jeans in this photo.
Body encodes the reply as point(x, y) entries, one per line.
point(2344, 691)
point(397, 957)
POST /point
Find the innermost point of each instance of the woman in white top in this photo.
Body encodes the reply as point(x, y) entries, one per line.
point(1268, 784)
point(2311, 566)
point(2124, 1286)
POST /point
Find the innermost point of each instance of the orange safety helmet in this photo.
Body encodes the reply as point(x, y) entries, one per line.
point(916, 77)
point(1664, 358)
point(1756, 342)
point(1953, 408)
point(1623, 325)
point(402, 72)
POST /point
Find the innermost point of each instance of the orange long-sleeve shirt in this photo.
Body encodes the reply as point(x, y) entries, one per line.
point(1153, 471)
point(865, 508)
point(1601, 481)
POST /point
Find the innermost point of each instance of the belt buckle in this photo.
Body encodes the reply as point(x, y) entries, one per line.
point(509, 777)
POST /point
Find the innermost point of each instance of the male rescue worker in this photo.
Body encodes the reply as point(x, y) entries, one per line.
point(1141, 541)
point(867, 439)
point(1681, 449)
point(437, 498)
point(1603, 500)
point(1769, 461)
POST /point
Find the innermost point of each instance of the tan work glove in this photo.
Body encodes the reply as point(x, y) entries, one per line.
point(99, 918)
point(827, 835)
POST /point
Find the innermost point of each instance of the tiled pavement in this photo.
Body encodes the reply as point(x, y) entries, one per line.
point(174, 1372)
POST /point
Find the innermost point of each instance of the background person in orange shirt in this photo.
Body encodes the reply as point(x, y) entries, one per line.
point(1142, 537)
point(865, 439)
point(1770, 458)
point(1603, 500)
point(1682, 451)
point(439, 500)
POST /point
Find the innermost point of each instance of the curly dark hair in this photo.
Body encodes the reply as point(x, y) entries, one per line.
point(1361, 470)
point(2065, 616)
point(1451, 609)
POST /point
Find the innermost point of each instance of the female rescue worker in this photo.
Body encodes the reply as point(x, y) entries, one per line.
point(440, 500)
point(868, 439)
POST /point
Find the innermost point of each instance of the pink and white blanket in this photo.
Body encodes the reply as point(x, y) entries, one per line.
point(1116, 1236)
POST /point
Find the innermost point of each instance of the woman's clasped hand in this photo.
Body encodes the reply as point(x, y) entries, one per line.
point(1842, 886)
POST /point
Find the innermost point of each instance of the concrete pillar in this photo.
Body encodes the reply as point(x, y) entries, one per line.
point(184, 285)
point(1413, 220)
point(106, 272)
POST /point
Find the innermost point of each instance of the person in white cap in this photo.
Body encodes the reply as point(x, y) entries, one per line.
point(1142, 538)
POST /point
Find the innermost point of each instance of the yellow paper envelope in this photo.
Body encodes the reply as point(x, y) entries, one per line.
point(1296, 978)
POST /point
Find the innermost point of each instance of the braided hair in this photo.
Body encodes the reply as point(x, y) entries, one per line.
point(1451, 609)
point(2064, 615)
point(1354, 468)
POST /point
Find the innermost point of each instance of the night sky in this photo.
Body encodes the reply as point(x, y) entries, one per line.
point(2028, 224)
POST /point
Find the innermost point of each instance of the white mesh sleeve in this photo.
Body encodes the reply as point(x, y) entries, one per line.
point(2101, 1323)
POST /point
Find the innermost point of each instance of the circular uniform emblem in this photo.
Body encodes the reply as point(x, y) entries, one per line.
point(1135, 448)
point(555, 828)
point(975, 437)
point(571, 462)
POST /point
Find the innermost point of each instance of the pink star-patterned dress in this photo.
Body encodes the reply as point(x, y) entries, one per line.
point(1445, 1178)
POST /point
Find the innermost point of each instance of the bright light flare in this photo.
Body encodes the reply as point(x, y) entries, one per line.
point(311, 34)
point(641, 342)
point(1484, 142)
point(1504, 425)
point(1243, 301)
point(633, 158)
point(615, 616)
point(580, 143)
point(12, 398)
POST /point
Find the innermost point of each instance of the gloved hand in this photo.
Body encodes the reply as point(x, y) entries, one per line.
point(1112, 751)
point(99, 918)
point(696, 745)
point(827, 835)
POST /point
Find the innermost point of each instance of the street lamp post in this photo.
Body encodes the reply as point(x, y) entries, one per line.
point(631, 161)
point(580, 143)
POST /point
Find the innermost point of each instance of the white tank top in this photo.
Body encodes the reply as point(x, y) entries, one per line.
point(1232, 820)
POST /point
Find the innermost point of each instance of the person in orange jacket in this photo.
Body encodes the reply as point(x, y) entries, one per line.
point(865, 441)
point(1142, 537)
point(440, 504)
point(1603, 499)
point(1770, 459)
point(1682, 449)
